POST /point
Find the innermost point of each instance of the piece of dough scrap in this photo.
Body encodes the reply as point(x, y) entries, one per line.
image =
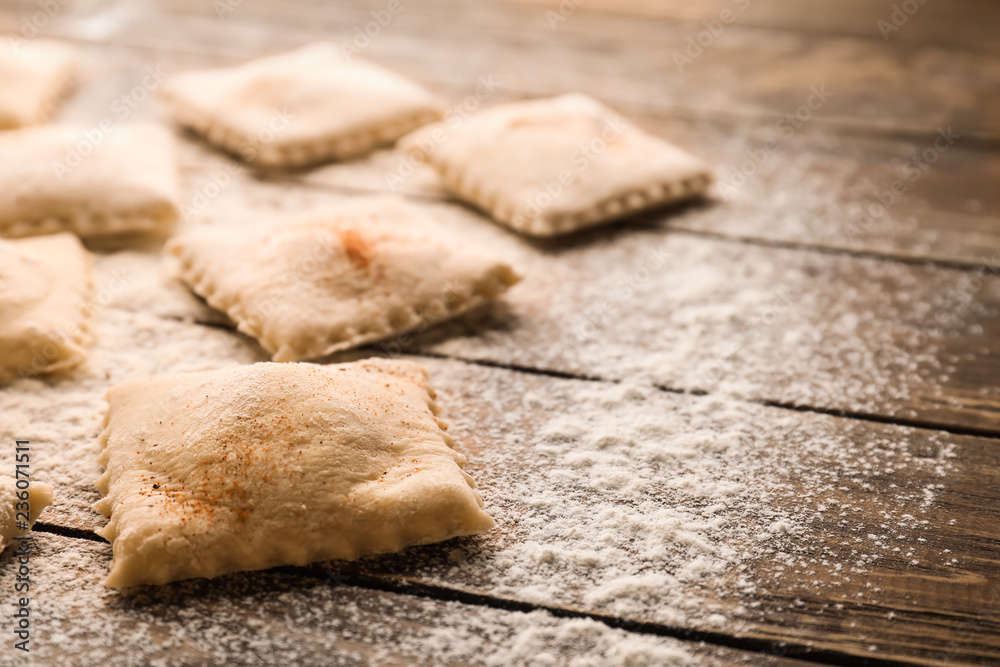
point(552, 166)
point(45, 305)
point(39, 497)
point(329, 280)
point(269, 464)
point(302, 107)
point(34, 75)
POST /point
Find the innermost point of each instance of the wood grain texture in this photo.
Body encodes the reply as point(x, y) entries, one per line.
point(302, 617)
point(920, 323)
point(833, 332)
point(811, 190)
point(742, 75)
point(824, 182)
point(962, 23)
point(817, 590)
point(769, 293)
point(893, 554)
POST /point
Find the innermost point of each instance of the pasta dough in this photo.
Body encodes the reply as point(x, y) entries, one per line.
point(64, 178)
point(277, 464)
point(33, 76)
point(330, 280)
point(45, 288)
point(552, 166)
point(298, 108)
point(39, 497)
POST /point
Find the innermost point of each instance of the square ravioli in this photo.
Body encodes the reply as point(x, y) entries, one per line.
point(303, 107)
point(34, 75)
point(269, 464)
point(329, 280)
point(553, 166)
point(93, 183)
point(45, 305)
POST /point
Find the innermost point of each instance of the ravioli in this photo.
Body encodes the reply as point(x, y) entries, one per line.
point(269, 464)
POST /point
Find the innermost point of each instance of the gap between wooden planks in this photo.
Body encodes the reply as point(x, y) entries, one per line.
point(938, 602)
point(912, 613)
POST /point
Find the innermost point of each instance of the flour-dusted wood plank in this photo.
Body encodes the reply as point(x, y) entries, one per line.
point(828, 533)
point(962, 23)
point(882, 197)
point(777, 182)
point(892, 340)
point(888, 339)
point(743, 74)
point(717, 519)
point(301, 617)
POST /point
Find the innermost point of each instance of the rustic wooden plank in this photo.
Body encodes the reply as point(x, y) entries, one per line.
point(143, 330)
point(715, 516)
point(727, 323)
point(300, 617)
point(834, 332)
point(890, 540)
point(769, 324)
point(812, 189)
point(511, 452)
point(945, 207)
point(885, 354)
point(743, 74)
point(962, 23)
point(148, 315)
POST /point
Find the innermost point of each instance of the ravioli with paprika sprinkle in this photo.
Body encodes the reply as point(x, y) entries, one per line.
point(270, 464)
point(332, 279)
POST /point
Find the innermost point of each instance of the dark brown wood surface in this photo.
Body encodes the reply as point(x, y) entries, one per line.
point(845, 335)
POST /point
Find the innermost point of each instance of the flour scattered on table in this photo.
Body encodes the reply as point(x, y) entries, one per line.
point(677, 509)
point(755, 323)
point(307, 619)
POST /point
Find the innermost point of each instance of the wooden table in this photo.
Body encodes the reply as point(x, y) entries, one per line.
point(847, 334)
